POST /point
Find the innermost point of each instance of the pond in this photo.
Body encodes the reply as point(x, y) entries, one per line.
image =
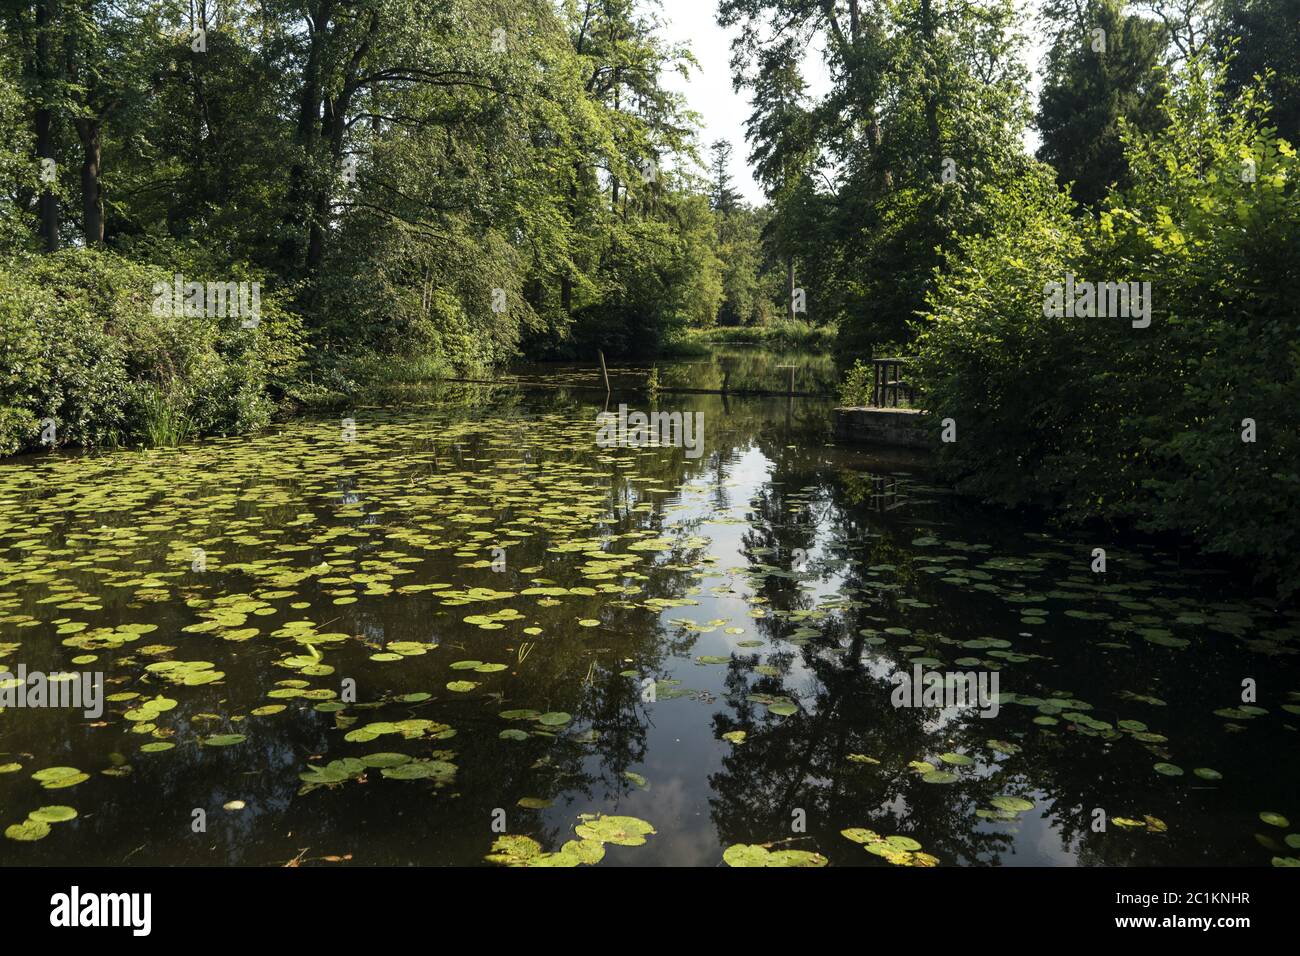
point(731, 368)
point(439, 633)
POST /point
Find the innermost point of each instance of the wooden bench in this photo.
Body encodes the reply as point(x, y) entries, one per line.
point(888, 384)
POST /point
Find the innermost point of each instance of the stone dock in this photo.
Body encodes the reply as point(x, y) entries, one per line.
point(905, 427)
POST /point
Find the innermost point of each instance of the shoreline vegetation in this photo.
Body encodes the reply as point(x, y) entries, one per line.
point(446, 196)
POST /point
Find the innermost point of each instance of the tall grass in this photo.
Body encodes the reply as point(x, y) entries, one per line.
point(164, 423)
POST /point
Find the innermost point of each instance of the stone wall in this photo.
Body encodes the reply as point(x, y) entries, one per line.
point(883, 426)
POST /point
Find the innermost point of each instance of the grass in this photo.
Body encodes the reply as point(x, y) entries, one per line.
point(165, 424)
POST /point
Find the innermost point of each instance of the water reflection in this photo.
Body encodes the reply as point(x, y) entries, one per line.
point(769, 587)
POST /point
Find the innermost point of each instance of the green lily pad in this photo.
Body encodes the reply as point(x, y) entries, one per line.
point(753, 854)
point(28, 831)
point(939, 776)
point(55, 814)
point(620, 830)
point(1012, 804)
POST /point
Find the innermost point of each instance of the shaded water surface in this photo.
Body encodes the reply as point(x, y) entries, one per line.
point(471, 622)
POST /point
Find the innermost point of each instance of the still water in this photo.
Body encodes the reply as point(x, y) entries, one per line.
point(463, 621)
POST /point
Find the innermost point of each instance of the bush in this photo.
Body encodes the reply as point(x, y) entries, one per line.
point(1095, 419)
point(80, 344)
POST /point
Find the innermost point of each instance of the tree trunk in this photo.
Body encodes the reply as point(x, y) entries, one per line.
point(46, 13)
point(92, 197)
point(307, 134)
point(789, 277)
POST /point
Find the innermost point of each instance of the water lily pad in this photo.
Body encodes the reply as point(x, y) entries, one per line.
point(1012, 804)
point(620, 830)
point(385, 759)
point(54, 814)
point(753, 854)
point(28, 831)
point(56, 778)
point(939, 776)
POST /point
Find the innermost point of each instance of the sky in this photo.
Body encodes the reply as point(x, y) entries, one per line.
point(723, 111)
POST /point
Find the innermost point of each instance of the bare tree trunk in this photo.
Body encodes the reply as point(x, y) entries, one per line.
point(92, 197)
point(44, 122)
point(307, 134)
point(789, 276)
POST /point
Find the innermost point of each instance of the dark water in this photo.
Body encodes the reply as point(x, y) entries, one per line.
point(770, 585)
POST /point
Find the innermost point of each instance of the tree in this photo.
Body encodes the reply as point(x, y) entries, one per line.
point(871, 180)
point(1267, 34)
point(723, 197)
point(1104, 67)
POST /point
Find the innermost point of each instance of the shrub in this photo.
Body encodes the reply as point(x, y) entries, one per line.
point(80, 343)
point(1095, 419)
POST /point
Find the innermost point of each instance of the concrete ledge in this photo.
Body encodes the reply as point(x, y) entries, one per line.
point(882, 426)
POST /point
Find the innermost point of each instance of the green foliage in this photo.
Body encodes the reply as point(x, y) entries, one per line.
point(1096, 419)
point(856, 388)
point(870, 181)
point(80, 343)
point(1264, 38)
point(780, 333)
point(17, 170)
point(429, 184)
point(1092, 82)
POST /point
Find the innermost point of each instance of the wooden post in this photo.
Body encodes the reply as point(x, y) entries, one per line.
point(791, 380)
point(604, 371)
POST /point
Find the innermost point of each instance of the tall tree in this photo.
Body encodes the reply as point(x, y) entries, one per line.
point(723, 197)
point(872, 179)
point(1267, 41)
point(1104, 66)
